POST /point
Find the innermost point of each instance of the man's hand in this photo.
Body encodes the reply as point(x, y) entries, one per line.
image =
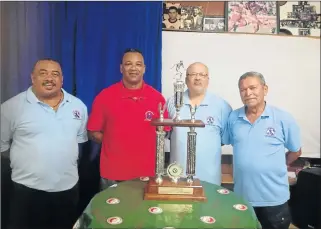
point(96, 136)
point(292, 156)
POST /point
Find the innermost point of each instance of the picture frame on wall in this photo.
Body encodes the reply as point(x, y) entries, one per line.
point(192, 18)
point(252, 17)
point(300, 18)
point(171, 16)
point(189, 16)
point(214, 24)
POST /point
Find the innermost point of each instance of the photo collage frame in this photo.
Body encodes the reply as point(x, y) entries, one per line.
point(300, 18)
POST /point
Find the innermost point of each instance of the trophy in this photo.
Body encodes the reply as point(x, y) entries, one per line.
point(171, 185)
point(178, 97)
point(179, 86)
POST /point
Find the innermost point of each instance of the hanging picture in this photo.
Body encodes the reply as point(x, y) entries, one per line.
point(300, 18)
point(192, 18)
point(252, 17)
point(171, 16)
point(214, 24)
point(190, 15)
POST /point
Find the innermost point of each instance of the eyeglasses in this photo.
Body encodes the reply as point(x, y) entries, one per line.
point(200, 74)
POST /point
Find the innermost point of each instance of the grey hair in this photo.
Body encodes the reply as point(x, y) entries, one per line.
point(253, 74)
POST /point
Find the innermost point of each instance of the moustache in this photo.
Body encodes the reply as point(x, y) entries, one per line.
point(48, 82)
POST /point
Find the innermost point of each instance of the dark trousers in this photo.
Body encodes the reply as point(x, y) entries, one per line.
point(6, 190)
point(35, 209)
point(274, 217)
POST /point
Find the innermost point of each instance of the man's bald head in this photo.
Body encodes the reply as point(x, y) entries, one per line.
point(197, 65)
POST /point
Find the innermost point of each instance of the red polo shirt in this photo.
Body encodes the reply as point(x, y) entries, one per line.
point(129, 140)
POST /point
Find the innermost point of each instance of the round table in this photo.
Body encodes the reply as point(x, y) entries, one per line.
point(123, 206)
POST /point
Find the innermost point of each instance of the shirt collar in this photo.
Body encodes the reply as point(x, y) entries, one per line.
point(205, 101)
point(31, 97)
point(266, 113)
point(132, 93)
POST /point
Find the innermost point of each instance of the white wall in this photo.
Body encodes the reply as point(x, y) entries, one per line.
point(290, 65)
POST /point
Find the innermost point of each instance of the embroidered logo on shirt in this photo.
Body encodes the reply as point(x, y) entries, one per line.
point(210, 120)
point(76, 114)
point(270, 132)
point(148, 115)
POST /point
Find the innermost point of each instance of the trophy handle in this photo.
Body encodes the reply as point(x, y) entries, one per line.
point(161, 109)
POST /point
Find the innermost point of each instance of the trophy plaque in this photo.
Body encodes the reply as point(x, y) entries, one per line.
point(171, 185)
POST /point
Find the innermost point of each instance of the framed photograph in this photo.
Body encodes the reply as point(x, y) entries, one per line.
point(252, 17)
point(171, 16)
point(214, 24)
point(300, 18)
point(189, 15)
point(192, 18)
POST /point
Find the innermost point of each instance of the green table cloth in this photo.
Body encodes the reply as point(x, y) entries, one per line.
point(123, 206)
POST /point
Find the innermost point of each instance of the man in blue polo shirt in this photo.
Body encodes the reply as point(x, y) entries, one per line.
point(41, 129)
point(260, 134)
point(214, 112)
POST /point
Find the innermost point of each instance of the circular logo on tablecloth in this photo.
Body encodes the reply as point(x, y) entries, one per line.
point(155, 210)
point(144, 178)
point(112, 201)
point(240, 207)
point(114, 220)
point(208, 219)
point(223, 191)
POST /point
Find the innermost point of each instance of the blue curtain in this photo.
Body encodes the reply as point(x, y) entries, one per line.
point(87, 38)
point(30, 31)
point(104, 31)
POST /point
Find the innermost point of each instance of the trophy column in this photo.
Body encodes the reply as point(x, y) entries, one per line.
point(191, 149)
point(178, 98)
point(160, 151)
point(160, 147)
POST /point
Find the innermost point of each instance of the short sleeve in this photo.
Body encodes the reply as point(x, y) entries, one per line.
point(6, 127)
point(292, 135)
point(229, 128)
point(226, 111)
point(96, 117)
point(82, 132)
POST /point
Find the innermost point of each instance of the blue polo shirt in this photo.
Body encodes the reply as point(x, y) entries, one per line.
point(43, 143)
point(214, 112)
point(260, 171)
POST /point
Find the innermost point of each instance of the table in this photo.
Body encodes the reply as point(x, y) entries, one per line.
point(122, 206)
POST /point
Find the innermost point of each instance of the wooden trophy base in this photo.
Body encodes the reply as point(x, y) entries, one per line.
point(169, 190)
point(181, 123)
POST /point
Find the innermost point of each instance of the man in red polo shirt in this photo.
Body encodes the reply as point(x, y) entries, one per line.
point(120, 120)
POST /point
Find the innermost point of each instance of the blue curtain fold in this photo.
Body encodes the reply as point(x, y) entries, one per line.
point(104, 31)
point(31, 31)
